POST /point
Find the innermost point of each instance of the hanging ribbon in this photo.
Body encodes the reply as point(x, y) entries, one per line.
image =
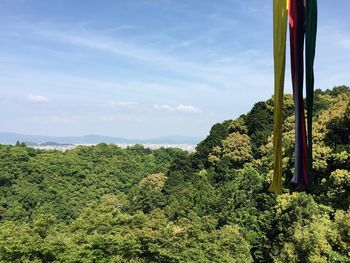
point(297, 31)
point(280, 8)
point(310, 48)
point(302, 24)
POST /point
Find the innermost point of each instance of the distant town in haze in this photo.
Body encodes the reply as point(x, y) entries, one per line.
point(62, 143)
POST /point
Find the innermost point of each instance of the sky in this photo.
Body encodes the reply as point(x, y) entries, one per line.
point(147, 68)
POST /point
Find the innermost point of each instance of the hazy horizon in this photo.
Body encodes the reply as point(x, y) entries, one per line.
point(146, 69)
point(102, 135)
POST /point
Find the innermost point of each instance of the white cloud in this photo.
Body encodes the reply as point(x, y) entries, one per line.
point(37, 99)
point(187, 108)
point(178, 108)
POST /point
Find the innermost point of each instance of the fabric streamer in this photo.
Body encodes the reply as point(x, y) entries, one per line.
point(297, 31)
point(280, 13)
point(303, 26)
point(310, 49)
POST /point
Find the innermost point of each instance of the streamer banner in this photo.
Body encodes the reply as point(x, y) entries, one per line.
point(280, 14)
point(297, 32)
point(310, 50)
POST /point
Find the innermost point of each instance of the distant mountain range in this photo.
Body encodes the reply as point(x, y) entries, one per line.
point(12, 138)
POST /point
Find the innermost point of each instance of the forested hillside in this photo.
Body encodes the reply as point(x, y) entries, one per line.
point(107, 204)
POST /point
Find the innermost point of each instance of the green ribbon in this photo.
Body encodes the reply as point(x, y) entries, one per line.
point(310, 50)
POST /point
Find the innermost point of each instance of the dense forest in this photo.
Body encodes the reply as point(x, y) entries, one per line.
point(107, 204)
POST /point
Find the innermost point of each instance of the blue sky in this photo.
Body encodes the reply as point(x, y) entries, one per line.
point(147, 68)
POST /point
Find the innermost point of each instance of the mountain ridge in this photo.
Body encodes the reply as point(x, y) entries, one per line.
point(12, 138)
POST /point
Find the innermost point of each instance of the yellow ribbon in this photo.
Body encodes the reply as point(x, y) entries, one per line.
point(280, 13)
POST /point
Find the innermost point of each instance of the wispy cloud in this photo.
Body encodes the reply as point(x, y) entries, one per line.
point(205, 66)
point(202, 66)
point(100, 42)
point(178, 108)
point(37, 99)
